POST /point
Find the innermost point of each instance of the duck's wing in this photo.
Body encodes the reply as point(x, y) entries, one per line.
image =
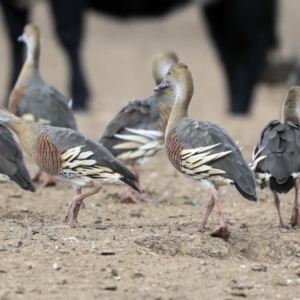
point(46, 105)
point(276, 158)
point(207, 149)
point(72, 152)
point(137, 131)
point(11, 160)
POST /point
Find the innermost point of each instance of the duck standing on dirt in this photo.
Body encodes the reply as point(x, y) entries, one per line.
point(137, 132)
point(12, 166)
point(71, 156)
point(203, 150)
point(33, 99)
point(276, 157)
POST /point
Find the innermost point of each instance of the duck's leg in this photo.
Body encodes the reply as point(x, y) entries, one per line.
point(136, 171)
point(78, 192)
point(295, 219)
point(36, 176)
point(201, 226)
point(49, 181)
point(222, 230)
point(128, 195)
point(277, 203)
point(77, 201)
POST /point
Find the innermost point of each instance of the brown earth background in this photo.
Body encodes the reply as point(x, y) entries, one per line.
point(124, 251)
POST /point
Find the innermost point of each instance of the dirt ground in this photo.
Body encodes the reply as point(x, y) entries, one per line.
point(124, 251)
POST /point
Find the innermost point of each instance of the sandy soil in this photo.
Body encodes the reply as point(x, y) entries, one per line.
point(124, 251)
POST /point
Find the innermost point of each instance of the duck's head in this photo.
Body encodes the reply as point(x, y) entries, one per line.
point(177, 76)
point(31, 34)
point(163, 60)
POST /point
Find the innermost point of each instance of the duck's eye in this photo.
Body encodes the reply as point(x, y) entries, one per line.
point(169, 73)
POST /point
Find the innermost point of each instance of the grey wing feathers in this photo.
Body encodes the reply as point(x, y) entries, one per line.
point(11, 160)
point(280, 143)
point(47, 103)
point(142, 114)
point(65, 139)
point(193, 134)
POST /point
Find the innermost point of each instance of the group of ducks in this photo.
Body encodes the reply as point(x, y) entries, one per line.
point(43, 120)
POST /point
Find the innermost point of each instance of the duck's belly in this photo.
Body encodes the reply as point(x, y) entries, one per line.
point(78, 182)
point(211, 181)
point(86, 181)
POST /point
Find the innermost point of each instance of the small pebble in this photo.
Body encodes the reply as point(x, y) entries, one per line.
point(259, 268)
point(137, 275)
point(55, 266)
point(111, 288)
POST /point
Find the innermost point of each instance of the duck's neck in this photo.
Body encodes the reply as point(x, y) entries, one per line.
point(30, 71)
point(26, 132)
point(184, 93)
point(291, 108)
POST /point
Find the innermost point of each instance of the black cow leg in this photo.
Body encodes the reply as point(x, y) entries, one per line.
point(68, 16)
point(15, 19)
point(243, 31)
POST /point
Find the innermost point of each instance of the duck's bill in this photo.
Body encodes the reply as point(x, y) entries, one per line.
point(162, 86)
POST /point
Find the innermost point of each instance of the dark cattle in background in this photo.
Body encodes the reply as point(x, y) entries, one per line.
point(125, 9)
point(242, 30)
point(68, 16)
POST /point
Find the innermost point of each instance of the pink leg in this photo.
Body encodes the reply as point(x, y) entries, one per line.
point(77, 201)
point(49, 181)
point(295, 219)
point(222, 230)
point(128, 195)
point(144, 198)
point(282, 223)
point(78, 192)
point(201, 226)
point(36, 176)
point(136, 171)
